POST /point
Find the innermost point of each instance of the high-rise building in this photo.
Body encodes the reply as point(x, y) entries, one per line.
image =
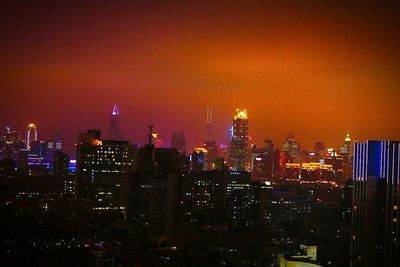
point(11, 144)
point(319, 150)
point(102, 171)
point(238, 156)
point(178, 141)
point(31, 135)
point(154, 190)
point(210, 130)
point(61, 164)
point(199, 159)
point(291, 148)
point(210, 145)
point(212, 154)
point(376, 203)
point(114, 134)
point(347, 153)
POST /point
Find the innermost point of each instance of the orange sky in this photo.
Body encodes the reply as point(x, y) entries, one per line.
point(316, 70)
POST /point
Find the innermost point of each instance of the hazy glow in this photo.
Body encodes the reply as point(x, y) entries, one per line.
point(316, 70)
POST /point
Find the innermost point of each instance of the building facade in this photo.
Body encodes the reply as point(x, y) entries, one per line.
point(238, 154)
point(375, 211)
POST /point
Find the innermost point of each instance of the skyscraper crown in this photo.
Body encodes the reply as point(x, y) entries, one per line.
point(115, 111)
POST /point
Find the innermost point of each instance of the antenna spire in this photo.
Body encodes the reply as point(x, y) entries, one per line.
point(210, 132)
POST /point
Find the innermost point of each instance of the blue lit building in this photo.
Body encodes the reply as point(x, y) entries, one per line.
point(375, 211)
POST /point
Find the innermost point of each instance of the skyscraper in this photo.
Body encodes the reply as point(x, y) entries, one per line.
point(154, 190)
point(31, 135)
point(376, 202)
point(210, 145)
point(240, 141)
point(114, 134)
point(347, 153)
point(178, 141)
point(291, 148)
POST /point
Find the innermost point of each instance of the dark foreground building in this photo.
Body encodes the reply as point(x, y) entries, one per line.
point(375, 220)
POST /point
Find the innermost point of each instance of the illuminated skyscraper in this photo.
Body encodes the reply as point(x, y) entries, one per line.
point(114, 134)
point(31, 135)
point(291, 148)
point(347, 152)
point(376, 203)
point(238, 157)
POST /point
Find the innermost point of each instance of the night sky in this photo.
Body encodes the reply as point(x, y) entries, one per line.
point(316, 70)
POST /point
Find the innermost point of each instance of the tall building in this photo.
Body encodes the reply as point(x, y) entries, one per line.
point(212, 154)
point(263, 163)
point(11, 144)
point(376, 202)
point(102, 171)
point(199, 159)
point(114, 133)
point(31, 135)
point(319, 150)
point(291, 148)
point(238, 154)
point(210, 145)
point(178, 141)
point(210, 130)
point(61, 164)
point(154, 190)
point(347, 153)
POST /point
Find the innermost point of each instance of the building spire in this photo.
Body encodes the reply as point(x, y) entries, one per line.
point(115, 111)
point(114, 133)
point(150, 135)
point(210, 132)
point(347, 139)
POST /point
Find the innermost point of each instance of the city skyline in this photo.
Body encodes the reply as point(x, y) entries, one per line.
point(314, 71)
point(166, 141)
point(199, 133)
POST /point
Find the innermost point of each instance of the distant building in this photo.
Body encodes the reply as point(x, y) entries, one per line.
point(212, 154)
point(376, 203)
point(291, 148)
point(199, 159)
point(114, 131)
point(347, 153)
point(10, 145)
point(264, 163)
point(31, 135)
point(319, 150)
point(238, 156)
point(178, 141)
point(61, 164)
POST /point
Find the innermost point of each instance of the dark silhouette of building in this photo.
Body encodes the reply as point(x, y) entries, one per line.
point(319, 150)
point(376, 202)
point(178, 141)
point(199, 159)
point(155, 191)
point(102, 171)
point(114, 133)
point(61, 164)
point(212, 154)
